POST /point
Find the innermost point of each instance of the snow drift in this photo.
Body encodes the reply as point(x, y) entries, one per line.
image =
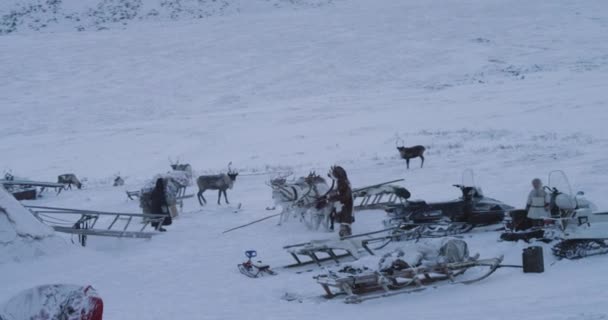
point(22, 236)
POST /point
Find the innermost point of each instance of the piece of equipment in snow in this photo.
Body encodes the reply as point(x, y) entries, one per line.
point(412, 231)
point(321, 251)
point(59, 301)
point(299, 198)
point(23, 189)
point(182, 167)
point(403, 271)
point(176, 185)
point(84, 223)
point(254, 269)
point(220, 182)
point(533, 260)
point(69, 179)
point(575, 224)
point(379, 196)
point(471, 208)
point(410, 153)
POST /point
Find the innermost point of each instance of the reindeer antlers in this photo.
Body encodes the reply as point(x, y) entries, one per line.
point(230, 170)
point(397, 142)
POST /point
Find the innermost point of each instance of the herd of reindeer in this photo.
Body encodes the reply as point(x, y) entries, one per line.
point(225, 181)
point(305, 190)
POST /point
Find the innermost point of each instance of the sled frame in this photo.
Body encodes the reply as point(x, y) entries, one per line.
point(307, 254)
point(359, 288)
point(364, 201)
point(88, 222)
point(37, 184)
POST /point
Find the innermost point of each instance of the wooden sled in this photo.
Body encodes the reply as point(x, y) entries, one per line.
point(84, 223)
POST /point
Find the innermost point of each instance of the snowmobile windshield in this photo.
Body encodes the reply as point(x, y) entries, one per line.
point(468, 178)
point(558, 182)
point(468, 181)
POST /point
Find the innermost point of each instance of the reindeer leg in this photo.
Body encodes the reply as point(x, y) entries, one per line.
point(199, 196)
point(422, 164)
point(407, 162)
point(226, 197)
point(219, 196)
point(203, 197)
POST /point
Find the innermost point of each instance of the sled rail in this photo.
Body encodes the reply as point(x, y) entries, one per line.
point(29, 183)
point(376, 197)
point(319, 252)
point(375, 284)
point(84, 223)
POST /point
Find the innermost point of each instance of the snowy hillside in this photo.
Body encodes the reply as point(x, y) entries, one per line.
point(83, 15)
point(509, 88)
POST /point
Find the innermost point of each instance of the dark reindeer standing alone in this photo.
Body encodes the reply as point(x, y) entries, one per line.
point(69, 179)
point(220, 182)
point(411, 153)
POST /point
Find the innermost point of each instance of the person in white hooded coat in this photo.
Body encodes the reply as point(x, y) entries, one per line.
point(537, 205)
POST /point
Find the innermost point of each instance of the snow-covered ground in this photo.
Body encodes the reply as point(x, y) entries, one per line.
point(511, 89)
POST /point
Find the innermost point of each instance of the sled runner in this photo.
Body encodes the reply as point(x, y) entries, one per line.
point(84, 223)
point(320, 251)
point(399, 273)
point(254, 269)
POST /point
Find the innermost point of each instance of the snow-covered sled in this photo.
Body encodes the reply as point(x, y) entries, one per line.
point(84, 223)
point(27, 189)
point(406, 271)
point(411, 231)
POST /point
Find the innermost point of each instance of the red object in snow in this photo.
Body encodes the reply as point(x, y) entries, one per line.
point(60, 301)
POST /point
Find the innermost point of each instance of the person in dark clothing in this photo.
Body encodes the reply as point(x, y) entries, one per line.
point(342, 200)
point(158, 204)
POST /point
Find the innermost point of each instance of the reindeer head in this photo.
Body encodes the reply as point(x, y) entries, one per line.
point(231, 172)
point(401, 148)
point(8, 176)
point(313, 178)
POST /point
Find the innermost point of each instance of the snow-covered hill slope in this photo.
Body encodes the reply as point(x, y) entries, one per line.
point(511, 89)
point(83, 15)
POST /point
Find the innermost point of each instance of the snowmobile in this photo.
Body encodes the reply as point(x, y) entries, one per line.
point(403, 271)
point(439, 219)
point(573, 222)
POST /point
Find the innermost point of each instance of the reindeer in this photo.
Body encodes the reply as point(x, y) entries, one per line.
point(184, 167)
point(300, 197)
point(69, 179)
point(118, 181)
point(220, 182)
point(410, 153)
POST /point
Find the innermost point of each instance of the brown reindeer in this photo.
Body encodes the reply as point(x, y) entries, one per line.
point(411, 153)
point(220, 182)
